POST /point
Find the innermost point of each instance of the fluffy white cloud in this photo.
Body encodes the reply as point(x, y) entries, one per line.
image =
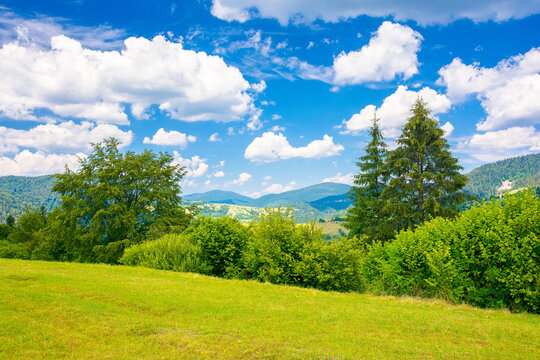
point(390, 52)
point(74, 81)
point(169, 138)
point(509, 92)
point(448, 128)
point(219, 174)
point(242, 179)
point(395, 110)
point(501, 144)
point(342, 179)
point(421, 11)
point(64, 137)
point(277, 188)
point(195, 167)
point(214, 137)
point(259, 87)
point(271, 147)
point(27, 163)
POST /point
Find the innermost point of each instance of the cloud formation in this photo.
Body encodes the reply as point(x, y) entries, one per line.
point(27, 163)
point(508, 92)
point(342, 179)
point(64, 137)
point(74, 81)
point(195, 167)
point(395, 110)
point(242, 179)
point(169, 138)
point(502, 144)
point(423, 12)
point(271, 147)
point(391, 52)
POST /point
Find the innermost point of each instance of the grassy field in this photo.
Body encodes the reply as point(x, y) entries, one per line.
point(63, 310)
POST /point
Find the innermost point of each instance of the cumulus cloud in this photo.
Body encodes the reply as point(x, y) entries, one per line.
point(64, 137)
point(169, 138)
point(27, 163)
point(271, 147)
point(390, 52)
point(242, 179)
point(501, 144)
point(277, 188)
point(74, 81)
point(219, 174)
point(395, 111)
point(214, 137)
point(508, 92)
point(195, 167)
point(339, 178)
point(448, 128)
point(423, 12)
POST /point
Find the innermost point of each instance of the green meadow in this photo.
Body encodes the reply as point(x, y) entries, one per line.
point(52, 310)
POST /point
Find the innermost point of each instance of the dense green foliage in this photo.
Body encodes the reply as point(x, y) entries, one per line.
point(366, 214)
point(222, 242)
point(119, 199)
point(272, 248)
point(523, 171)
point(20, 192)
point(489, 256)
point(175, 252)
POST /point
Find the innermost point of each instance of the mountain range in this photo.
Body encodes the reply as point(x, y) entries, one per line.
point(314, 202)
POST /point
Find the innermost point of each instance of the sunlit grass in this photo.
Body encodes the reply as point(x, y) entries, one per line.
point(64, 310)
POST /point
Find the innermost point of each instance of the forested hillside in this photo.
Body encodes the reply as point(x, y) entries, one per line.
point(487, 180)
point(19, 192)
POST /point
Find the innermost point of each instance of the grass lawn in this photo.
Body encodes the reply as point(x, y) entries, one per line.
point(63, 310)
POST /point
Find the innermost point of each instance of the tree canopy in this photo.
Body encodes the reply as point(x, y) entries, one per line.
point(117, 199)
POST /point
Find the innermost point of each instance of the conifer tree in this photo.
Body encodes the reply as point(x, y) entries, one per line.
point(426, 180)
point(366, 215)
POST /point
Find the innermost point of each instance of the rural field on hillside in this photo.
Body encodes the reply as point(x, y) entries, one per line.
point(54, 310)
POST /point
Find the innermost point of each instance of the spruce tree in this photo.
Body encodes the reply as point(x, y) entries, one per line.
point(426, 180)
point(366, 215)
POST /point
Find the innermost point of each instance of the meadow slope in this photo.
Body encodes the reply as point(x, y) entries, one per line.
point(64, 310)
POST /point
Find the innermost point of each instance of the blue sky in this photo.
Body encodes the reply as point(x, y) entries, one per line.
point(256, 96)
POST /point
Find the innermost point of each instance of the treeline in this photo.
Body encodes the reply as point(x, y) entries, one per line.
point(522, 171)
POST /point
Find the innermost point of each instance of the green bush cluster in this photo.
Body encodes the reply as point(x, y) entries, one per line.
point(489, 256)
point(271, 249)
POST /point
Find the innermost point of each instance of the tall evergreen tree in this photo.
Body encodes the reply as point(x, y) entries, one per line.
point(426, 180)
point(366, 215)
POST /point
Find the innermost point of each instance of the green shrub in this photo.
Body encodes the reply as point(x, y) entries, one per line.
point(11, 250)
point(489, 256)
point(222, 242)
point(275, 250)
point(333, 266)
point(171, 252)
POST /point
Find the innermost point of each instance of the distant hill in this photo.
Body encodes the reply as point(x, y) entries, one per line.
point(336, 202)
point(307, 194)
point(219, 196)
point(509, 174)
point(19, 192)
